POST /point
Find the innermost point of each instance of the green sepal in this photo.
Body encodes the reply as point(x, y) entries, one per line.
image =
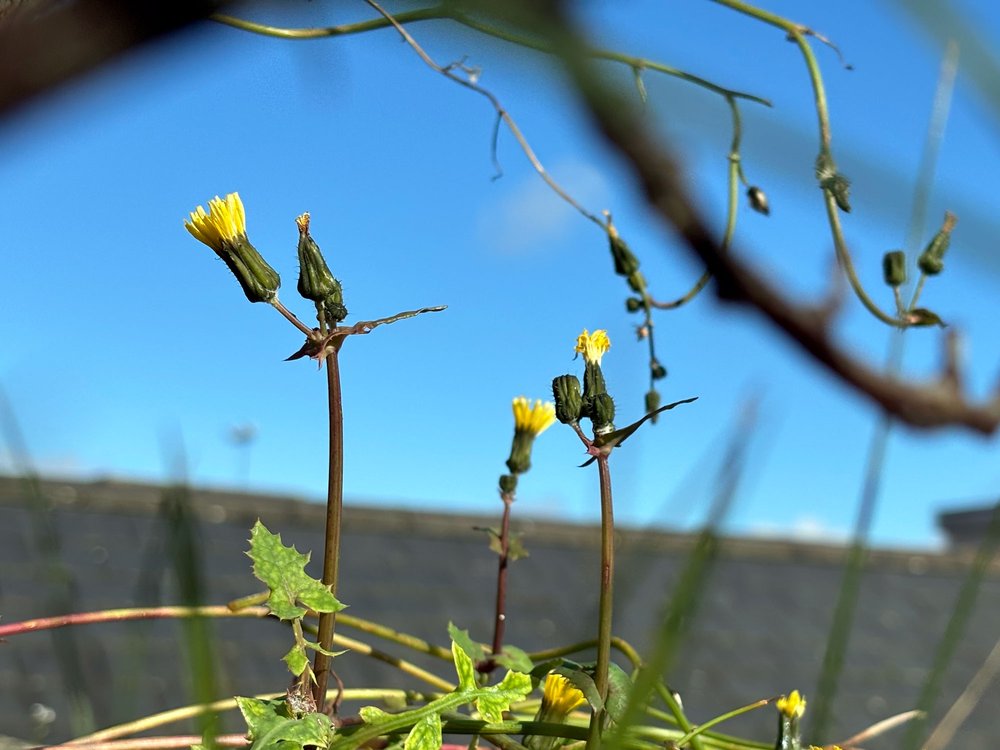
point(258, 280)
point(569, 402)
point(626, 263)
point(315, 280)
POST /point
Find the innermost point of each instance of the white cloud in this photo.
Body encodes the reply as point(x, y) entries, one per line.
point(527, 215)
point(804, 528)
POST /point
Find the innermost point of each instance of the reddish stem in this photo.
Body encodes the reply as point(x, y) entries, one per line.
point(121, 615)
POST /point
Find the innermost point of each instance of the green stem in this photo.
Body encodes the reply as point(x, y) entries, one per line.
point(721, 718)
point(334, 513)
point(606, 603)
point(447, 12)
point(731, 209)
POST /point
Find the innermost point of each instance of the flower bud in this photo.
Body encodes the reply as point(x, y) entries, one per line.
point(603, 413)
point(315, 280)
point(790, 711)
point(633, 304)
point(894, 268)
point(840, 188)
point(652, 403)
point(758, 201)
point(625, 261)
point(569, 402)
point(656, 370)
point(931, 260)
point(508, 483)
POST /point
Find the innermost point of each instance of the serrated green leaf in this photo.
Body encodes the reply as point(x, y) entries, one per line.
point(282, 569)
point(476, 651)
point(296, 660)
point(464, 667)
point(515, 548)
point(373, 715)
point(314, 730)
point(425, 735)
point(260, 716)
point(619, 687)
point(497, 699)
point(514, 658)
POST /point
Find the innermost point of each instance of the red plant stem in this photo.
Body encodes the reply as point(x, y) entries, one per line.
point(121, 615)
point(334, 512)
point(500, 619)
point(151, 743)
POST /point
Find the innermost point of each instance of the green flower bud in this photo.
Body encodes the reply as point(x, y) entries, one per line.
point(569, 402)
point(603, 413)
point(520, 452)
point(652, 403)
point(633, 304)
point(636, 282)
point(223, 228)
point(625, 262)
point(758, 201)
point(931, 260)
point(315, 280)
point(894, 268)
point(657, 371)
point(508, 483)
point(333, 307)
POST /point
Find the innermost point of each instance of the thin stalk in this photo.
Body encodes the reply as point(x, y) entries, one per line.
point(334, 515)
point(120, 615)
point(500, 613)
point(606, 603)
point(291, 317)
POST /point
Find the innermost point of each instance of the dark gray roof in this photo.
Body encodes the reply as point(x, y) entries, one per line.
point(760, 628)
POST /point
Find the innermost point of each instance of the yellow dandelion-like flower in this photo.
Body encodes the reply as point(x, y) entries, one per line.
point(536, 418)
point(560, 696)
point(224, 222)
point(593, 345)
point(793, 705)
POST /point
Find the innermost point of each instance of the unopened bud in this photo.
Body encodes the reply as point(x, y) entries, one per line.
point(657, 371)
point(652, 403)
point(758, 201)
point(625, 261)
point(508, 483)
point(840, 188)
point(315, 280)
point(569, 402)
point(637, 282)
point(894, 268)
point(931, 260)
point(633, 304)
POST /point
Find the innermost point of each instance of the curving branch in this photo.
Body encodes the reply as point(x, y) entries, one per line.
point(932, 404)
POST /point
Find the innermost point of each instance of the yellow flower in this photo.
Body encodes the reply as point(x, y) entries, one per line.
point(225, 222)
point(793, 705)
point(559, 697)
point(593, 345)
point(534, 419)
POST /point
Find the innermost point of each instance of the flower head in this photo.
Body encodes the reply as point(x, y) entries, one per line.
point(224, 222)
point(224, 229)
point(792, 706)
point(559, 697)
point(533, 418)
point(593, 345)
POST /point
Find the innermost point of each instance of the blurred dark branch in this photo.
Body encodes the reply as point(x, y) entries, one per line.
point(931, 404)
point(44, 44)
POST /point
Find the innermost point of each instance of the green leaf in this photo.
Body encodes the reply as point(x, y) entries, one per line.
point(425, 735)
point(464, 667)
point(317, 647)
point(476, 651)
point(260, 716)
point(515, 548)
point(514, 658)
point(619, 687)
point(373, 715)
point(282, 569)
point(314, 730)
point(584, 682)
point(497, 699)
point(296, 660)
point(616, 438)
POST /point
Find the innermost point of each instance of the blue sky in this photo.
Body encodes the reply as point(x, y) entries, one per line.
point(125, 339)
